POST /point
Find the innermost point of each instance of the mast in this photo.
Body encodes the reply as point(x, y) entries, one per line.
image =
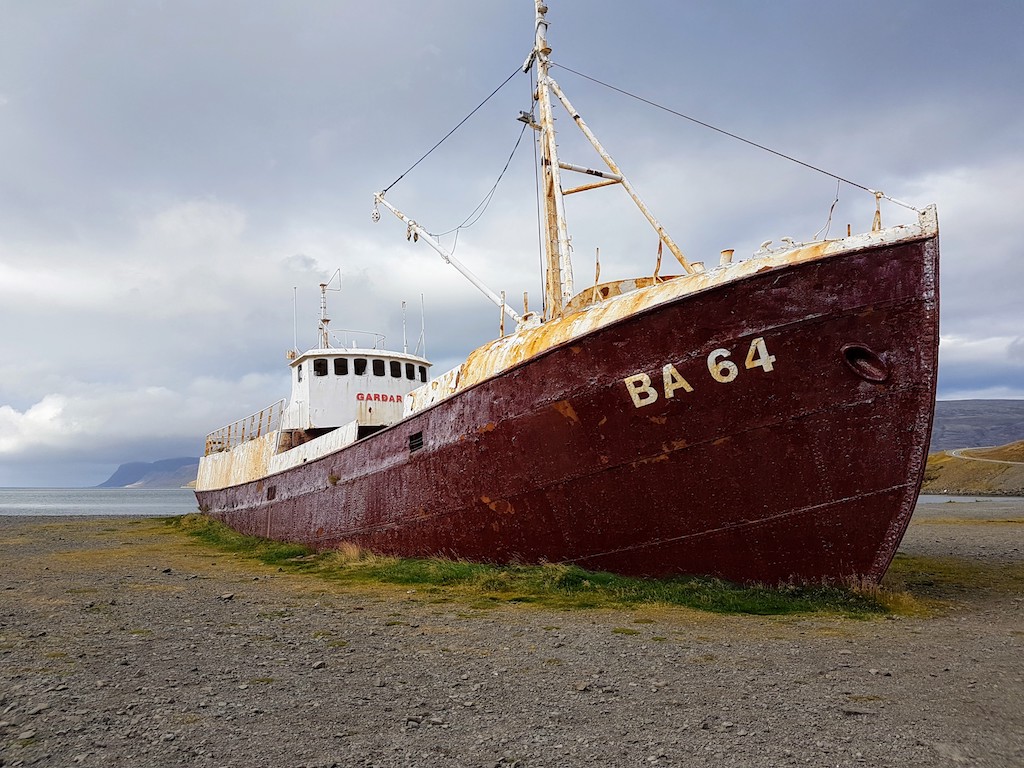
point(325, 341)
point(558, 273)
point(558, 280)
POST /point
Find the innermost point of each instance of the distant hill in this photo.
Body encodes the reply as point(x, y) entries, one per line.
point(976, 423)
point(166, 473)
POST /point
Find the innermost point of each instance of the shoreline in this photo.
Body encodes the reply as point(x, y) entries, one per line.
point(124, 642)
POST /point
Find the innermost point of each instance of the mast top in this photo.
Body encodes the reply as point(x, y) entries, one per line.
point(325, 340)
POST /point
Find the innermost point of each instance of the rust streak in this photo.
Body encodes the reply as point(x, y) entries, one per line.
point(565, 408)
point(650, 460)
point(501, 506)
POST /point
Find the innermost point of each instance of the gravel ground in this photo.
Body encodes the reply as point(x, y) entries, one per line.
point(123, 643)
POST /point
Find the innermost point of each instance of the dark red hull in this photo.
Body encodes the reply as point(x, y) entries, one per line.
point(807, 472)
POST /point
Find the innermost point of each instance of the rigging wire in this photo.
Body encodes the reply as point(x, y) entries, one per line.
point(453, 130)
point(828, 224)
point(733, 135)
point(482, 206)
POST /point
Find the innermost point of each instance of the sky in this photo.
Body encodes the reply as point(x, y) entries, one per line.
point(177, 179)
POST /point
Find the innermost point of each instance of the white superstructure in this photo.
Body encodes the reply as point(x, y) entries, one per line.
point(332, 387)
point(339, 395)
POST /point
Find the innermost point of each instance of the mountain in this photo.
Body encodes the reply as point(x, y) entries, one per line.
point(166, 473)
point(976, 423)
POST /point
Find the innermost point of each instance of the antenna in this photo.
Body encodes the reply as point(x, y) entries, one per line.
point(295, 330)
point(325, 339)
point(422, 343)
point(405, 339)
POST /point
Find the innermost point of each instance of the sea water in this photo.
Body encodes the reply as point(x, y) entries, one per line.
point(926, 498)
point(180, 501)
point(97, 501)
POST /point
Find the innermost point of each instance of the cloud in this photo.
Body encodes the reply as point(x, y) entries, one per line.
point(195, 224)
point(45, 425)
point(171, 178)
point(987, 367)
point(99, 427)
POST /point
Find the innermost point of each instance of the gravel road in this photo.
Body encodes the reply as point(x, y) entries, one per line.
point(123, 643)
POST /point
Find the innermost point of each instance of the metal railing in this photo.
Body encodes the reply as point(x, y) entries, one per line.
point(249, 428)
point(347, 336)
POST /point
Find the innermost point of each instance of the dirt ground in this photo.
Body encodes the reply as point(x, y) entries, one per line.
point(124, 643)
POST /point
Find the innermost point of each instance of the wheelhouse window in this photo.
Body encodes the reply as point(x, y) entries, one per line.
point(423, 373)
point(396, 369)
point(410, 372)
point(320, 366)
point(359, 366)
point(378, 367)
point(341, 366)
point(298, 372)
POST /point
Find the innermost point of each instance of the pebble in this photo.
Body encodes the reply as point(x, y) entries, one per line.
point(852, 710)
point(727, 687)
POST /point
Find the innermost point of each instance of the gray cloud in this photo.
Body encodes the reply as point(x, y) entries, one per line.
point(170, 171)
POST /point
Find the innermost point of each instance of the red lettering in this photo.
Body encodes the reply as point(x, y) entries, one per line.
point(379, 398)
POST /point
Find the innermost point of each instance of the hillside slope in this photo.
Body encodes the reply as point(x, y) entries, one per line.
point(988, 472)
point(975, 423)
point(166, 473)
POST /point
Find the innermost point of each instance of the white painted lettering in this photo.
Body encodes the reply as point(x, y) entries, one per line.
point(673, 381)
point(640, 389)
point(763, 359)
point(720, 369)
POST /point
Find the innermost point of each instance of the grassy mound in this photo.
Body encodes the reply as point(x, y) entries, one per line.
point(558, 586)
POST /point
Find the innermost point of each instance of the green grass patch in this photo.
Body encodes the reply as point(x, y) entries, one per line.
point(554, 586)
point(625, 631)
point(282, 614)
point(225, 539)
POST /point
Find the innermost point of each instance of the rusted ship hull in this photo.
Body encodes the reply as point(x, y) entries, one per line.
point(669, 442)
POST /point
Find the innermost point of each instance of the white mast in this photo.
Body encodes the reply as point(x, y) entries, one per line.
point(325, 341)
point(559, 267)
point(405, 336)
point(325, 336)
point(558, 280)
point(558, 277)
